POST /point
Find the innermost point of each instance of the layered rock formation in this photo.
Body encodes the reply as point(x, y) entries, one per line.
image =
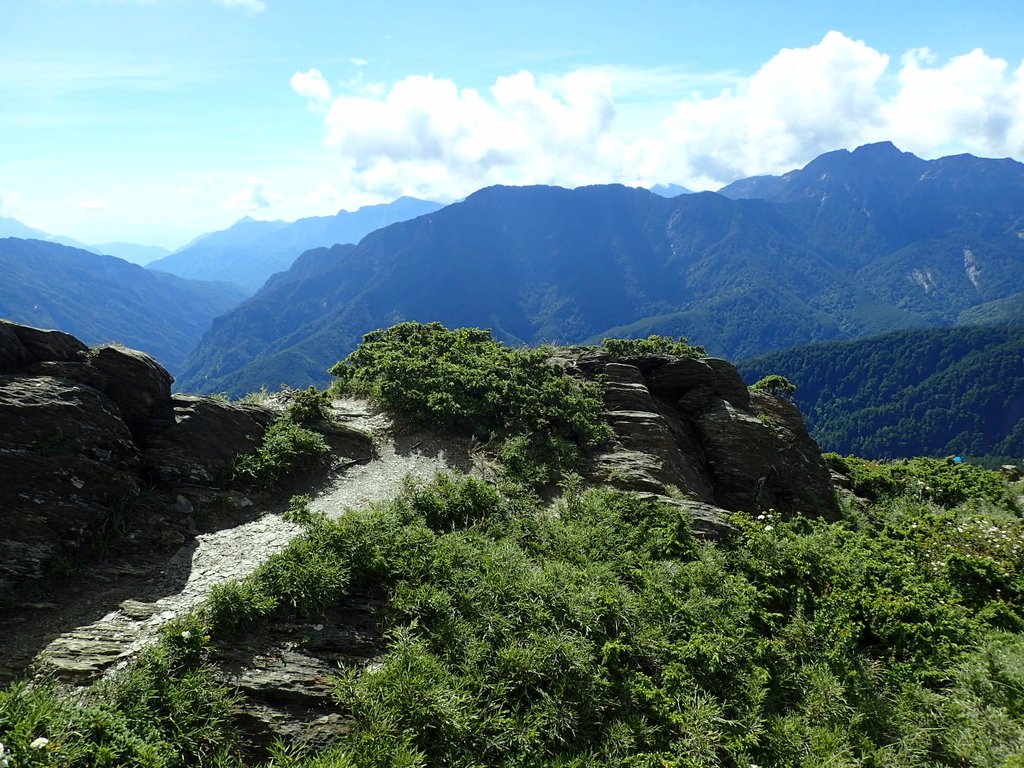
point(93, 445)
point(688, 432)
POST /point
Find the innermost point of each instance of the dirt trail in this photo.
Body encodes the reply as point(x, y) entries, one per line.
point(186, 579)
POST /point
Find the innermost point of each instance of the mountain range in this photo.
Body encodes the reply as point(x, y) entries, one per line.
point(853, 245)
point(102, 298)
point(250, 251)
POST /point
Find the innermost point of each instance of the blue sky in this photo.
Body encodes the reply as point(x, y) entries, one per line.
point(152, 121)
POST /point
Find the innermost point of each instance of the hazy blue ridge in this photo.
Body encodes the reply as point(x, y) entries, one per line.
point(105, 299)
point(250, 251)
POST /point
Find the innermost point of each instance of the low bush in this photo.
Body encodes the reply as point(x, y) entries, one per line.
point(652, 345)
point(776, 385)
point(942, 481)
point(308, 407)
point(465, 381)
point(286, 448)
point(601, 631)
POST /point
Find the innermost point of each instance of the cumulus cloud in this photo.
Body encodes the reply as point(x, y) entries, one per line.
point(253, 6)
point(429, 132)
point(972, 103)
point(428, 136)
point(311, 85)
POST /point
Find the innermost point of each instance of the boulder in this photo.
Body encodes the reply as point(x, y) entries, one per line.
point(192, 439)
point(43, 345)
point(67, 462)
point(134, 381)
point(84, 431)
point(689, 431)
point(13, 355)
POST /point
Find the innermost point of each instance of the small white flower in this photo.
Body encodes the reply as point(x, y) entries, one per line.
point(186, 635)
point(768, 527)
point(39, 743)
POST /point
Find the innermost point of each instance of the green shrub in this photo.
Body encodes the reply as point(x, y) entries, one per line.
point(300, 512)
point(166, 710)
point(308, 407)
point(945, 482)
point(465, 381)
point(286, 448)
point(776, 385)
point(652, 345)
point(598, 630)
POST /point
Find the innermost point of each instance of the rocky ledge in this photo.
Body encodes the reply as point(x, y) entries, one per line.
point(95, 446)
point(689, 432)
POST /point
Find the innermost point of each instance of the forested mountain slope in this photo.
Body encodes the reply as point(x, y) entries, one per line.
point(910, 393)
point(103, 299)
point(856, 244)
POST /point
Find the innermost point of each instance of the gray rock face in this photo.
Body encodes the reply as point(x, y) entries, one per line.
point(45, 345)
point(192, 439)
point(690, 433)
point(92, 443)
point(133, 380)
point(66, 462)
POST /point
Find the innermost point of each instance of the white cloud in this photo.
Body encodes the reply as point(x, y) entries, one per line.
point(311, 85)
point(256, 197)
point(802, 102)
point(9, 203)
point(253, 6)
point(357, 61)
point(425, 135)
point(972, 103)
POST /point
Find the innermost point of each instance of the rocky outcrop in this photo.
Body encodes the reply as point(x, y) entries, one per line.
point(688, 432)
point(93, 445)
point(191, 440)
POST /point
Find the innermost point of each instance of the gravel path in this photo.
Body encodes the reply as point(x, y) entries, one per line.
point(232, 553)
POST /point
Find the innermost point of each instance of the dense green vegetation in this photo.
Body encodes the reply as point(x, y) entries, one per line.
point(289, 445)
point(601, 632)
point(940, 481)
point(912, 393)
point(595, 630)
point(652, 345)
point(539, 418)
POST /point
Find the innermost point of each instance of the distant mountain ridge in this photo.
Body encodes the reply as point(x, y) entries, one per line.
point(14, 228)
point(855, 244)
point(102, 298)
point(250, 251)
point(136, 254)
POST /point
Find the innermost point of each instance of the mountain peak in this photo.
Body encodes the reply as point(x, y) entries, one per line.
point(879, 148)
